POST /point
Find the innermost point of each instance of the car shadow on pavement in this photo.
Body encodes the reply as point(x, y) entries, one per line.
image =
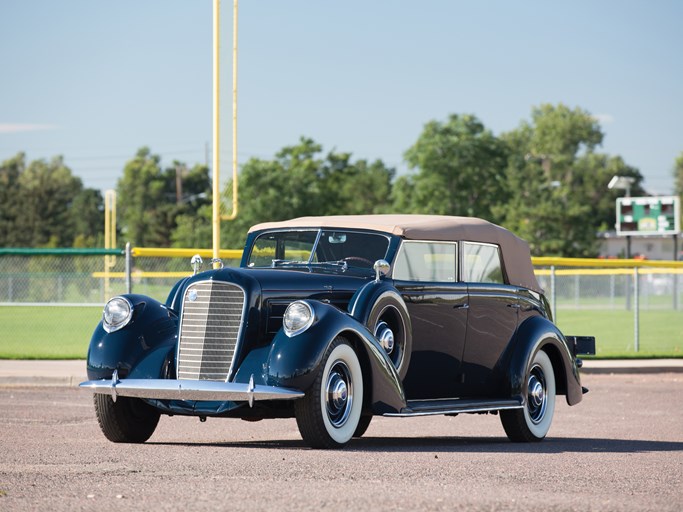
point(552, 445)
point(501, 444)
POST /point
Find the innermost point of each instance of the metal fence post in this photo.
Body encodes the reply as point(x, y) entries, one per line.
point(129, 258)
point(636, 310)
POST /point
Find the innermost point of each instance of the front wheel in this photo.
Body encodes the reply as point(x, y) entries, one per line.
point(329, 414)
point(126, 420)
point(533, 421)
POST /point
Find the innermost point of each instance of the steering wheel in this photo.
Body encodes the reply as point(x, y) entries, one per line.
point(359, 259)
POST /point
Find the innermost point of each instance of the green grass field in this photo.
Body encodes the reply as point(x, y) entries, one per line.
point(661, 331)
point(60, 332)
point(46, 332)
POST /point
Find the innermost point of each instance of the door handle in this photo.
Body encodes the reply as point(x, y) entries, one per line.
point(514, 306)
point(461, 306)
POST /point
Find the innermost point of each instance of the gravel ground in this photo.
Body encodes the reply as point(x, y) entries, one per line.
point(620, 449)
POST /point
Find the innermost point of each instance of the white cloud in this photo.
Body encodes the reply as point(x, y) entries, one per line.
point(24, 127)
point(604, 118)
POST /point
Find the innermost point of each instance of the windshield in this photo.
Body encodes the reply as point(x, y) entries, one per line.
point(338, 247)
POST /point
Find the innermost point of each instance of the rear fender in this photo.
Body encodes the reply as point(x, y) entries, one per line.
point(538, 333)
point(295, 362)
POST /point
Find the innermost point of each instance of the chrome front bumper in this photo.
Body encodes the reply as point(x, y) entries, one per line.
point(167, 389)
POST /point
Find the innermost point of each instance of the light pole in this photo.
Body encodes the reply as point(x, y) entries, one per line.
point(623, 183)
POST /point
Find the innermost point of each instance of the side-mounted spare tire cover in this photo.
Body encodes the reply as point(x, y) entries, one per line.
point(389, 321)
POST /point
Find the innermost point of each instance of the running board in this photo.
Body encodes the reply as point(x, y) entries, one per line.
point(454, 406)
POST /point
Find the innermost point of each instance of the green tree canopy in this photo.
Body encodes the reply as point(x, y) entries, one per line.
point(559, 197)
point(460, 170)
point(301, 181)
point(44, 204)
point(678, 176)
point(151, 200)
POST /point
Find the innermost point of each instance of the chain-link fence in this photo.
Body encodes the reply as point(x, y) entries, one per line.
point(632, 310)
point(50, 300)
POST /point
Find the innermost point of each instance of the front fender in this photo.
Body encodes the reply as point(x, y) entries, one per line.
point(538, 333)
point(361, 303)
point(141, 349)
point(295, 362)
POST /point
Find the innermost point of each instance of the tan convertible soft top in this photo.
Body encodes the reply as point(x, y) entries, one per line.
point(516, 255)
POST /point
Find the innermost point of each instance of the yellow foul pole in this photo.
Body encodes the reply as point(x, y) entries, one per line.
point(216, 133)
point(216, 126)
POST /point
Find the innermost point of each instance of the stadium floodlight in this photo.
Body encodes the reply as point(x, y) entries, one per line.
point(622, 182)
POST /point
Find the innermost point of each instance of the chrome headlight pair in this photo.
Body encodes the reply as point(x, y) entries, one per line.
point(117, 314)
point(298, 317)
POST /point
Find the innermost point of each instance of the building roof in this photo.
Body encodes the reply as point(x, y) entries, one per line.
point(515, 251)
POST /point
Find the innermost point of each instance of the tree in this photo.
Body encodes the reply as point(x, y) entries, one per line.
point(560, 198)
point(44, 204)
point(88, 218)
point(151, 200)
point(678, 176)
point(10, 201)
point(299, 181)
point(461, 170)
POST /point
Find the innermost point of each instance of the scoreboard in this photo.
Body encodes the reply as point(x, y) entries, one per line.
point(640, 216)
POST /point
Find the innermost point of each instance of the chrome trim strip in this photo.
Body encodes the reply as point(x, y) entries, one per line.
point(167, 389)
point(454, 410)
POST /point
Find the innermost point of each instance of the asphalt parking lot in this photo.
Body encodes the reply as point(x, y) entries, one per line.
point(620, 449)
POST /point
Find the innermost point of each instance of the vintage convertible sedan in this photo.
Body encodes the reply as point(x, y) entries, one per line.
point(333, 320)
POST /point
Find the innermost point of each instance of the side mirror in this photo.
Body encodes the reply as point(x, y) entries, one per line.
point(382, 268)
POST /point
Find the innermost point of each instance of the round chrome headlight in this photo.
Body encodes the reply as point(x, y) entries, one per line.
point(117, 314)
point(298, 317)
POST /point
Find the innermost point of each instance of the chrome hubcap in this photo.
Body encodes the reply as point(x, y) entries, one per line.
point(339, 394)
point(537, 401)
point(385, 336)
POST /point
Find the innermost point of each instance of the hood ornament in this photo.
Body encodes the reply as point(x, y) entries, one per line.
point(196, 263)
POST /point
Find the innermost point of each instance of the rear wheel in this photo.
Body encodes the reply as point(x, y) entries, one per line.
point(128, 420)
point(532, 423)
point(329, 414)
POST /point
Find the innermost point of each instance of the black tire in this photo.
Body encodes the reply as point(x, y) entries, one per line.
point(363, 425)
point(329, 414)
point(390, 312)
point(532, 423)
point(128, 420)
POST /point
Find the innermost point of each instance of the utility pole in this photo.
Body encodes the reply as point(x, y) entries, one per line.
point(179, 168)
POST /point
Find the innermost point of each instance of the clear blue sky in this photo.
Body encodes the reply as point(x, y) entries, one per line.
point(93, 81)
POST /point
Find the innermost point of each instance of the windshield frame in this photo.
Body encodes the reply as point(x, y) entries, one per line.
point(284, 263)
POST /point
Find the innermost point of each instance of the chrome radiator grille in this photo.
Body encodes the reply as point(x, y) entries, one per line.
point(209, 329)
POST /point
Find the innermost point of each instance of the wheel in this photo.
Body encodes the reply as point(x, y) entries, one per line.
point(390, 323)
point(330, 412)
point(363, 425)
point(128, 420)
point(533, 421)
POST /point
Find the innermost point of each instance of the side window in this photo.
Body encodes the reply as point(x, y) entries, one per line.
point(481, 263)
point(426, 261)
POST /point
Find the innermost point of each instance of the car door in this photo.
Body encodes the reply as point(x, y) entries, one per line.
point(425, 274)
point(492, 319)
